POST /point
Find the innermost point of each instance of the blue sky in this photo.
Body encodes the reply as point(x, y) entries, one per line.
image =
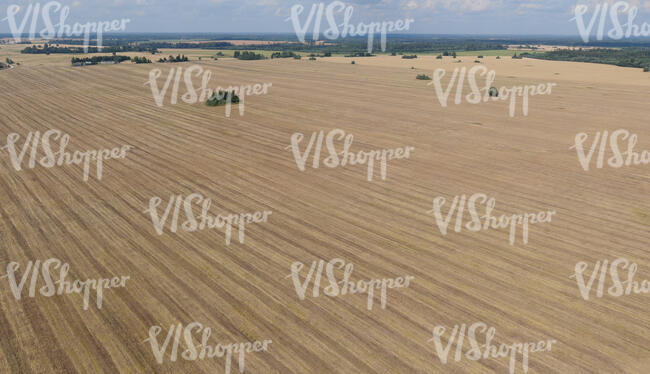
point(549, 17)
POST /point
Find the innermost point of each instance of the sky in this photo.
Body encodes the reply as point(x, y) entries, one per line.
point(526, 17)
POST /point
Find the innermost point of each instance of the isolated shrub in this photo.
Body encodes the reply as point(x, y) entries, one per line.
point(393, 54)
point(477, 61)
point(498, 57)
point(453, 54)
point(493, 92)
point(646, 69)
point(352, 62)
point(297, 57)
point(439, 57)
point(480, 56)
point(221, 98)
point(10, 61)
point(410, 56)
point(423, 77)
point(312, 58)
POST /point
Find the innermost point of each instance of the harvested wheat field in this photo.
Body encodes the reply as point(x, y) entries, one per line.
point(244, 292)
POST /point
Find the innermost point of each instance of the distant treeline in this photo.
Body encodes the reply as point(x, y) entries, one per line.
point(146, 45)
point(352, 45)
point(48, 48)
point(182, 45)
point(629, 57)
point(97, 59)
point(349, 45)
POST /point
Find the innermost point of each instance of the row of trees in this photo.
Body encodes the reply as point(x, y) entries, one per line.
point(97, 59)
point(141, 60)
point(359, 54)
point(171, 58)
point(285, 54)
point(248, 55)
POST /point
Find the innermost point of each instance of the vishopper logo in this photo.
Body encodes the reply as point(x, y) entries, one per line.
point(618, 158)
point(64, 287)
point(487, 92)
point(347, 157)
point(484, 351)
point(60, 157)
point(344, 286)
point(192, 352)
point(487, 220)
point(207, 221)
point(50, 31)
point(618, 288)
point(191, 96)
point(614, 11)
point(333, 32)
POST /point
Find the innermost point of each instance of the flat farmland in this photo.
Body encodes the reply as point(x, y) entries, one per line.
point(383, 227)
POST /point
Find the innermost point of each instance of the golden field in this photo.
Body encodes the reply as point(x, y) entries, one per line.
point(382, 227)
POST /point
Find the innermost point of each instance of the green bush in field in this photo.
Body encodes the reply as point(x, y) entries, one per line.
point(423, 77)
point(221, 98)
